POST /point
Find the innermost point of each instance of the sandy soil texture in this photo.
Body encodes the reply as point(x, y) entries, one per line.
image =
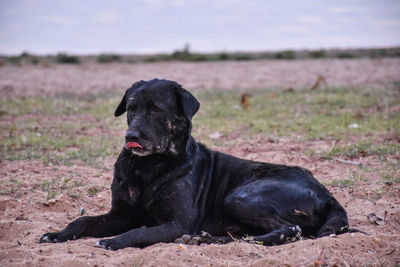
point(26, 213)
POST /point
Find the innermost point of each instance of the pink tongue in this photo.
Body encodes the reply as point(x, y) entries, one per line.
point(133, 145)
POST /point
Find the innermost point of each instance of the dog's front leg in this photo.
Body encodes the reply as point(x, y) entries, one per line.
point(140, 237)
point(95, 226)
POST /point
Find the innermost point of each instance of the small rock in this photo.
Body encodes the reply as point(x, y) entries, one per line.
point(354, 126)
point(20, 218)
point(179, 240)
point(216, 135)
point(186, 238)
point(50, 202)
point(194, 241)
point(273, 140)
point(205, 234)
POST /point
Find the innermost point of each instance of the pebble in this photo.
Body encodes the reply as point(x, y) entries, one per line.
point(186, 238)
point(194, 241)
point(50, 202)
point(179, 240)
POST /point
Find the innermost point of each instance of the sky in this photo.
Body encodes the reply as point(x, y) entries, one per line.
point(163, 26)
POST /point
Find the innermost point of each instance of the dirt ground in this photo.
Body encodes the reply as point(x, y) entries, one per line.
point(26, 214)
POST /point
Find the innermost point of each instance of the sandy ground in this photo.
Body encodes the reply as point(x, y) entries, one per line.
point(26, 214)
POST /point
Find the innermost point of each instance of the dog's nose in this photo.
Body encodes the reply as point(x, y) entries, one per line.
point(131, 135)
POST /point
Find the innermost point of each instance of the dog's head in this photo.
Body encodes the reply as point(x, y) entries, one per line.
point(159, 114)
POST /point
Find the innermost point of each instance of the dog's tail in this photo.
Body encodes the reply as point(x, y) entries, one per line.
point(354, 230)
point(336, 221)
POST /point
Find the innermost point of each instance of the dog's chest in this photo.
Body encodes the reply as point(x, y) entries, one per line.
point(160, 201)
point(133, 193)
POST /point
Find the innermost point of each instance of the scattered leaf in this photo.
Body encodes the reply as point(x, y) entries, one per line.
point(245, 101)
point(375, 219)
point(181, 247)
point(320, 79)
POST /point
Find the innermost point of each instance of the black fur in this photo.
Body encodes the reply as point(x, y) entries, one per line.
point(172, 185)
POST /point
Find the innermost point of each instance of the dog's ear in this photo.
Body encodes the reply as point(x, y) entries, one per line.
point(189, 103)
point(122, 106)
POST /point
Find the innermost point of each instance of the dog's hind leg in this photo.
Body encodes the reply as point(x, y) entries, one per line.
point(264, 209)
point(277, 231)
point(336, 220)
point(279, 236)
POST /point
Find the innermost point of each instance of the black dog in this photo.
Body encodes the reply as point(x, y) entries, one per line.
point(166, 185)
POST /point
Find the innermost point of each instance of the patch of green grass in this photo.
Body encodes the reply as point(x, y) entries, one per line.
point(69, 128)
point(40, 106)
point(51, 194)
point(389, 172)
point(342, 183)
point(353, 179)
point(363, 148)
point(12, 186)
point(391, 177)
point(51, 187)
point(60, 130)
point(320, 114)
point(92, 191)
point(65, 185)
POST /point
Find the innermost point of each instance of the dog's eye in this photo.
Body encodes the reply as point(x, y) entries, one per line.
point(131, 109)
point(155, 108)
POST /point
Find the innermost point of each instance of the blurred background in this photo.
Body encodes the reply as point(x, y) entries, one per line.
point(46, 27)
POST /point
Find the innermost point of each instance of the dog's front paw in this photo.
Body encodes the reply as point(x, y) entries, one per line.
point(56, 237)
point(110, 244)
